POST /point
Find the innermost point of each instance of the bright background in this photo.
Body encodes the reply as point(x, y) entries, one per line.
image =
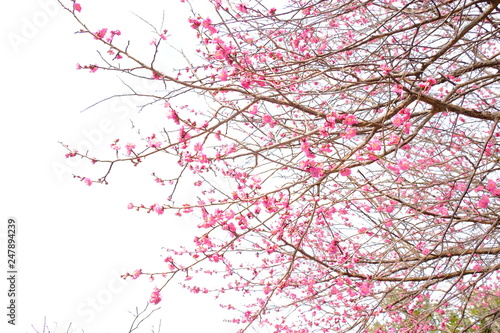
point(73, 240)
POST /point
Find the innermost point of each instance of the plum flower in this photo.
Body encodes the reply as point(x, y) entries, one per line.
point(350, 119)
point(397, 120)
point(137, 273)
point(155, 296)
point(345, 172)
point(349, 133)
point(87, 181)
point(157, 209)
point(403, 164)
point(484, 201)
point(129, 147)
point(152, 142)
point(223, 75)
point(101, 33)
point(315, 169)
point(242, 8)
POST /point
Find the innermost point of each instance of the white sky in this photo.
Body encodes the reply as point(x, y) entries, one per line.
point(74, 240)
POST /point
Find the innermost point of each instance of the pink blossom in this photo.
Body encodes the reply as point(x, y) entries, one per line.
point(155, 296)
point(393, 139)
point(398, 89)
point(198, 146)
point(397, 120)
point(77, 7)
point(129, 147)
point(130, 206)
point(345, 172)
point(349, 133)
point(157, 76)
point(350, 119)
point(137, 273)
point(101, 33)
point(407, 127)
point(194, 23)
point(87, 181)
point(316, 172)
point(157, 209)
point(484, 201)
point(172, 114)
point(207, 23)
point(375, 145)
point(115, 146)
point(365, 288)
point(492, 186)
point(223, 75)
point(242, 8)
point(385, 69)
point(314, 168)
point(403, 164)
point(254, 109)
point(427, 84)
point(152, 142)
point(245, 83)
point(71, 154)
point(306, 148)
point(267, 119)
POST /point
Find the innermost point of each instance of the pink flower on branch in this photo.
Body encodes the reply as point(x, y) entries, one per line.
point(155, 296)
point(100, 34)
point(242, 8)
point(314, 168)
point(349, 133)
point(281, 179)
point(484, 201)
point(346, 172)
point(129, 147)
point(403, 164)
